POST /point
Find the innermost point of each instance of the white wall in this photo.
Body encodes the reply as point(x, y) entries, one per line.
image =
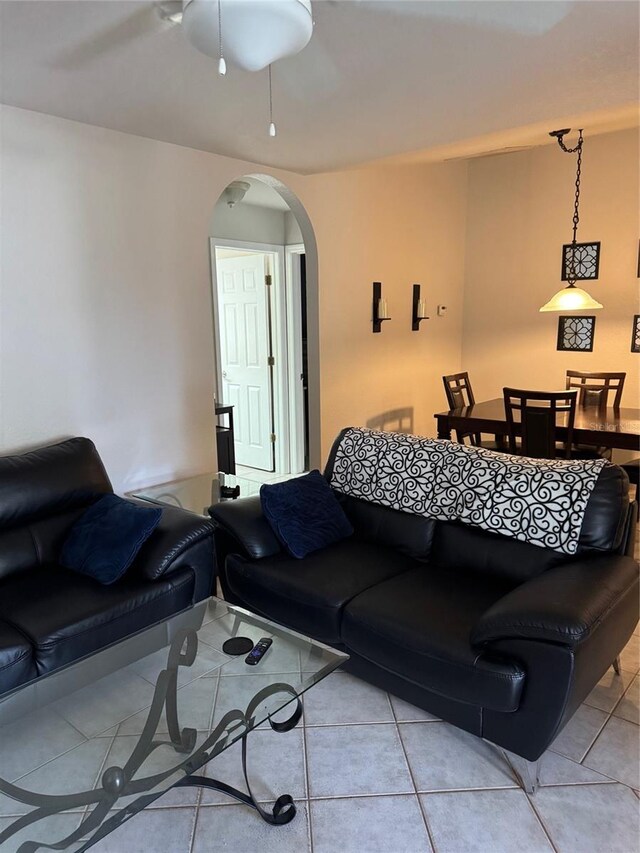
point(292, 233)
point(105, 304)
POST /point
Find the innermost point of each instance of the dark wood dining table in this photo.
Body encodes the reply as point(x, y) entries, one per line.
point(602, 427)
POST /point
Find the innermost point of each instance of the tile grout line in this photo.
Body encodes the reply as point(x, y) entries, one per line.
point(423, 812)
point(194, 827)
point(529, 799)
point(305, 759)
point(598, 733)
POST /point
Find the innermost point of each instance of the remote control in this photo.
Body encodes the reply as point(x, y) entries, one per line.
point(258, 651)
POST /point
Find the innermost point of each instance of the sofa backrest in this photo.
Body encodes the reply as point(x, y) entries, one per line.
point(42, 493)
point(462, 547)
point(410, 534)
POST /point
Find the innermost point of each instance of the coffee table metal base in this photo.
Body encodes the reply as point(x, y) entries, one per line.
point(118, 782)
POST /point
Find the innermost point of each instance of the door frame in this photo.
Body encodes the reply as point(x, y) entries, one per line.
point(279, 339)
point(294, 361)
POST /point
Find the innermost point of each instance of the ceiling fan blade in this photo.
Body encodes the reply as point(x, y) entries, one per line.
point(524, 18)
point(138, 24)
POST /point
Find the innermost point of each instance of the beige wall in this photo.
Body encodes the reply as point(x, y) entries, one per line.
point(398, 226)
point(105, 306)
point(519, 215)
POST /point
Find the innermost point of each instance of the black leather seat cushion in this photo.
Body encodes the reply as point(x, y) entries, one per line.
point(66, 615)
point(418, 626)
point(16, 658)
point(309, 595)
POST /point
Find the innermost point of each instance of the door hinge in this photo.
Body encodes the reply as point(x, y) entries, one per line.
point(267, 280)
point(272, 438)
point(271, 361)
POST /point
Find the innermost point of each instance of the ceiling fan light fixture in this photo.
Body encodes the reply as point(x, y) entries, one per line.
point(256, 32)
point(235, 192)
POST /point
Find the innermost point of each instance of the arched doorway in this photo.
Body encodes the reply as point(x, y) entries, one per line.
point(265, 320)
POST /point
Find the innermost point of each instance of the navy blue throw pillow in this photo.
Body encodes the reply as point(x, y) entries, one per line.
point(106, 538)
point(304, 514)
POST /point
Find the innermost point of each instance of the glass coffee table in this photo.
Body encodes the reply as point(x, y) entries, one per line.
point(197, 493)
point(84, 749)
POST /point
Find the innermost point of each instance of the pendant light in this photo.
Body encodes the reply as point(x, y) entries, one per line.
point(572, 298)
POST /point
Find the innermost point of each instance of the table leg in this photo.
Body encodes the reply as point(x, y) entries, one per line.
point(444, 430)
point(284, 809)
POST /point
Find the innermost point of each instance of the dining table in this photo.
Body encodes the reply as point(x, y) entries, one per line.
point(610, 427)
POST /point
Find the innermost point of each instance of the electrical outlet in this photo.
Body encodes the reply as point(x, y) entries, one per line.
point(442, 310)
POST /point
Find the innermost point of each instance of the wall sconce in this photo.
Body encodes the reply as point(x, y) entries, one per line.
point(380, 309)
point(418, 310)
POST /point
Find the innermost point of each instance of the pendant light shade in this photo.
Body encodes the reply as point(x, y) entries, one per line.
point(571, 298)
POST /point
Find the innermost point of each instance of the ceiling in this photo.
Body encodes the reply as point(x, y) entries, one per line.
point(379, 79)
point(260, 195)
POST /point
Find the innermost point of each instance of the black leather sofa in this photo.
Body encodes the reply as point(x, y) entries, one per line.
point(50, 616)
point(499, 637)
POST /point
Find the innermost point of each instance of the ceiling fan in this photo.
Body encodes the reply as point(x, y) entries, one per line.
point(253, 34)
point(256, 33)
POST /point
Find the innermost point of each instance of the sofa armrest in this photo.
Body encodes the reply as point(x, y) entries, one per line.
point(564, 605)
point(242, 520)
point(177, 531)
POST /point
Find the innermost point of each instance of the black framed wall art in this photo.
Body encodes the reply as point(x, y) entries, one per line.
point(635, 334)
point(587, 261)
point(575, 333)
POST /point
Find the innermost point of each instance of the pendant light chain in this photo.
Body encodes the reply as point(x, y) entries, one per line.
point(272, 126)
point(222, 65)
point(571, 276)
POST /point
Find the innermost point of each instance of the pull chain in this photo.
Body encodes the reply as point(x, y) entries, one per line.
point(272, 127)
point(222, 65)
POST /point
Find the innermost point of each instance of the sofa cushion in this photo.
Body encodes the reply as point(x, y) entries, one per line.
point(309, 595)
point(304, 514)
point(66, 615)
point(105, 540)
point(16, 658)
point(418, 625)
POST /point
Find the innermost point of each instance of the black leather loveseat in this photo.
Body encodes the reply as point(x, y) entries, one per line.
point(502, 638)
point(50, 616)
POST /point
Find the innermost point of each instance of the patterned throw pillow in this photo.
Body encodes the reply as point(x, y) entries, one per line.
point(304, 514)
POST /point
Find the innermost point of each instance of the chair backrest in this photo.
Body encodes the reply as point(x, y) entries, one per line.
point(534, 415)
point(457, 387)
point(594, 388)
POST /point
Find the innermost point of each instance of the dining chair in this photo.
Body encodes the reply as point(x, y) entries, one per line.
point(457, 387)
point(537, 414)
point(594, 390)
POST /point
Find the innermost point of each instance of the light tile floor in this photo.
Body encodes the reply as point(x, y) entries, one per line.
point(372, 774)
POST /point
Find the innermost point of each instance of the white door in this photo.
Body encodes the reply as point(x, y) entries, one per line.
point(243, 323)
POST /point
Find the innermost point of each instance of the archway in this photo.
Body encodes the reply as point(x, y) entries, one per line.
point(239, 247)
